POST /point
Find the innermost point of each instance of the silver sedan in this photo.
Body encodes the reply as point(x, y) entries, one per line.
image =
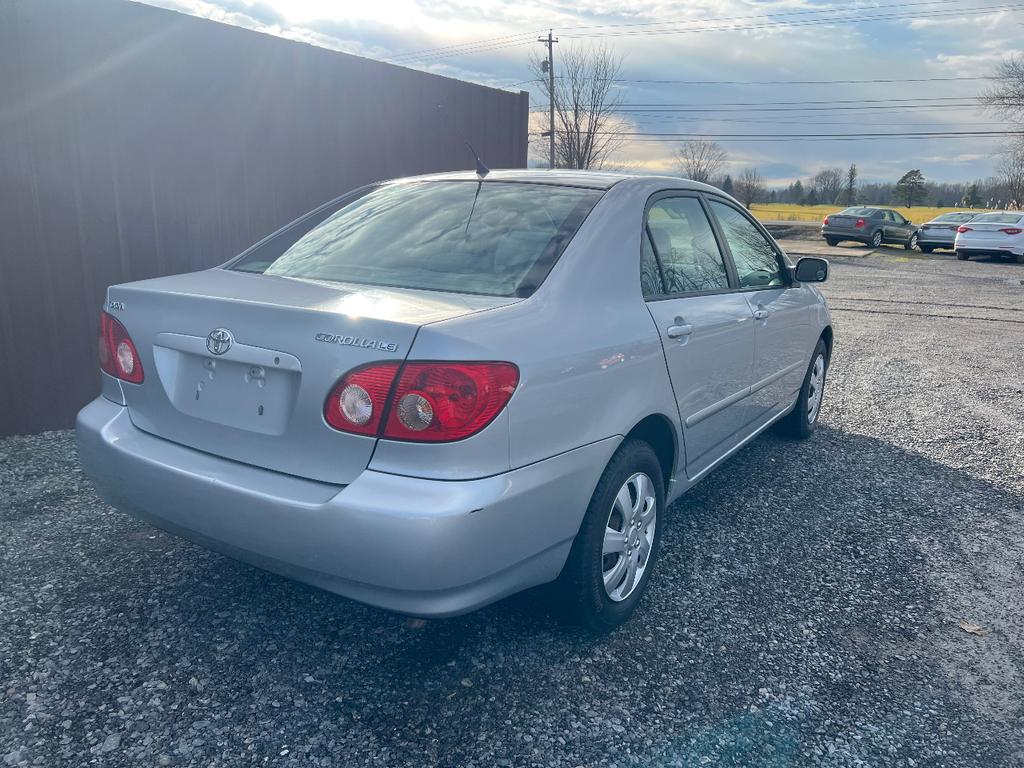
point(434, 392)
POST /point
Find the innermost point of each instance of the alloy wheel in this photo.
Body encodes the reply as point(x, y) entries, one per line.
point(629, 536)
point(876, 239)
point(814, 388)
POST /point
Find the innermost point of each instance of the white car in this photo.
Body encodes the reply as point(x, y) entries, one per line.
point(999, 234)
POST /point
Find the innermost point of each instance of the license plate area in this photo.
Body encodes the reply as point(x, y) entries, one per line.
point(252, 389)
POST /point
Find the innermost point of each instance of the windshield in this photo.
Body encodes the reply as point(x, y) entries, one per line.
point(999, 218)
point(957, 217)
point(493, 238)
point(855, 211)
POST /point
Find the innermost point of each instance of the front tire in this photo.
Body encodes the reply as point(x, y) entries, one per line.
point(961, 256)
point(832, 241)
point(926, 248)
point(803, 419)
point(612, 556)
point(911, 244)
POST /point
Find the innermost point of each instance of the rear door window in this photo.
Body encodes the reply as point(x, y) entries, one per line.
point(684, 246)
point(484, 237)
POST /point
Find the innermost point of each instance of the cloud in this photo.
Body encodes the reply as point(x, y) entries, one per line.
point(750, 45)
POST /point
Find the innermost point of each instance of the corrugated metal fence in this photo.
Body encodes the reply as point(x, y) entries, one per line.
point(137, 142)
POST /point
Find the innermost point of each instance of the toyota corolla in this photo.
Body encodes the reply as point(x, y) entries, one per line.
point(434, 392)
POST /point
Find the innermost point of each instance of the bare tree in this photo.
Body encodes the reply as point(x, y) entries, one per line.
point(829, 183)
point(1011, 168)
point(699, 160)
point(1006, 97)
point(586, 130)
point(749, 187)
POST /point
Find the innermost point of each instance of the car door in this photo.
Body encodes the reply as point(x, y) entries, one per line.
point(891, 230)
point(782, 313)
point(706, 326)
point(904, 229)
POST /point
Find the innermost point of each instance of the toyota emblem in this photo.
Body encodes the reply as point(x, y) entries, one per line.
point(219, 341)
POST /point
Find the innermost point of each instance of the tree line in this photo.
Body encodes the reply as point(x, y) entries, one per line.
point(589, 131)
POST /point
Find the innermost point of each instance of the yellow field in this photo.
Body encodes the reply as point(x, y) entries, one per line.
point(789, 212)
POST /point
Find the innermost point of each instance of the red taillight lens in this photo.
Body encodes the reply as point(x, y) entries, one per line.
point(432, 402)
point(1012, 230)
point(824, 222)
point(118, 355)
point(357, 402)
point(963, 229)
point(860, 224)
point(437, 402)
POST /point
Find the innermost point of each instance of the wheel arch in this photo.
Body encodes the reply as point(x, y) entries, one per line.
point(658, 431)
point(826, 335)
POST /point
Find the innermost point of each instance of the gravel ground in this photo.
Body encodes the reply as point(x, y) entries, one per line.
point(806, 608)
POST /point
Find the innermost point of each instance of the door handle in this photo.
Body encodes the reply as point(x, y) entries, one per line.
point(760, 313)
point(679, 331)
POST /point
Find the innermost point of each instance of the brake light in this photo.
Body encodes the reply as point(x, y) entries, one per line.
point(356, 404)
point(421, 401)
point(964, 228)
point(860, 224)
point(824, 222)
point(1012, 230)
point(118, 355)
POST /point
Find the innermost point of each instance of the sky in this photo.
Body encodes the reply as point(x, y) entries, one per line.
point(744, 54)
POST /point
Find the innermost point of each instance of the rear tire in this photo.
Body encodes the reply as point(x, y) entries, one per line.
point(961, 256)
point(876, 240)
point(926, 248)
point(624, 562)
point(832, 241)
point(1020, 258)
point(911, 244)
point(802, 420)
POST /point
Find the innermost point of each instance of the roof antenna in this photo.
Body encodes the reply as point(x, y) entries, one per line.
point(481, 169)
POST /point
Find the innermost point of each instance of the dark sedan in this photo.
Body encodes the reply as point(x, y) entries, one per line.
point(871, 226)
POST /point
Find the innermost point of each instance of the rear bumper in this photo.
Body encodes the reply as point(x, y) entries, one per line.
point(983, 250)
point(424, 547)
point(934, 240)
point(859, 235)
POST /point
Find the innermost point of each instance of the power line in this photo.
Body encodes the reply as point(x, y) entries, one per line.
point(867, 81)
point(917, 100)
point(909, 135)
point(519, 39)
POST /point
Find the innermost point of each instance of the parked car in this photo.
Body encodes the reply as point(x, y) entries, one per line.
point(869, 225)
point(999, 234)
point(940, 232)
point(432, 393)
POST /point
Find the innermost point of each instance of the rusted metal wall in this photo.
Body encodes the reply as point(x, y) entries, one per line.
point(137, 142)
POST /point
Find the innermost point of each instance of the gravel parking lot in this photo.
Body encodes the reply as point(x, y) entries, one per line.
point(806, 609)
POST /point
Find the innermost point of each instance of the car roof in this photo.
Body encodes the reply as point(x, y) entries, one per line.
point(566, 177)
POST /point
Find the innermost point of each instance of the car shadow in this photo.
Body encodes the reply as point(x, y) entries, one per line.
point(800, 605)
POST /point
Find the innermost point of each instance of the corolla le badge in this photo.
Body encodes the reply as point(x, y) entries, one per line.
point(219, 341)
point(357, 341)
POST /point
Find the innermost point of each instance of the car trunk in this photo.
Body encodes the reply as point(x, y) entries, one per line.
point(843, 222)
point(259, 399)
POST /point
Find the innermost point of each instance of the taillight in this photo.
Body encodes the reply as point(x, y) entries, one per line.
point(824, 222)
point(421, 401)
point(118, 355)
point(963, 228)
point(860, 224)
point(356, 404)
point(1012, 230)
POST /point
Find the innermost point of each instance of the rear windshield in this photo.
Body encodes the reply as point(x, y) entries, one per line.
point(999, 218)
point(483, 237)
point(858, 211)
point(960, 217)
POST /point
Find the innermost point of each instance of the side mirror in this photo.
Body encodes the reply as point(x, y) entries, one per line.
point(811, 270)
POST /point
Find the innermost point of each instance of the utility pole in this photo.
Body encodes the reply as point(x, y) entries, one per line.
point(550, 65)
